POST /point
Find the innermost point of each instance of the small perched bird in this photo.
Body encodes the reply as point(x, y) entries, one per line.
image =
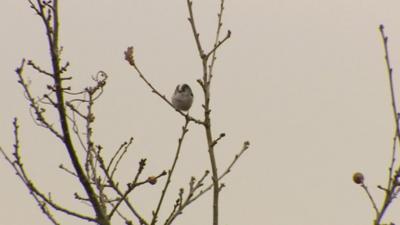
point(182, 98)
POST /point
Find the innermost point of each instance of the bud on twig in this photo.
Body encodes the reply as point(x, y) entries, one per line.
point(152, 180)
point(129, 55)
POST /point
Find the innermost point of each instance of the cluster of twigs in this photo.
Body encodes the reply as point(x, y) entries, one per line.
point(392, 188)
point(207, 59)
point(73, 126)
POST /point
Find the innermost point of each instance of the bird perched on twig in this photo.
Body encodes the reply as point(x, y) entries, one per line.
point(182, 98)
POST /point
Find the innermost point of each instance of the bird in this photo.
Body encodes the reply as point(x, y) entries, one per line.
point(182, 98)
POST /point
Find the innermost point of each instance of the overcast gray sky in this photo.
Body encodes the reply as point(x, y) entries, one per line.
point(304, 81)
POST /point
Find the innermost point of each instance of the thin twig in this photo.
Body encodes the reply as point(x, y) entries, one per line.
point(216, 46)
point(217, 43)
point(62, 167)
point(130, 58)
point(125, 150)
point(181, 204)
point(392, 162)
point(194, 29)
point(39, 197)
point(33, 103)
point(245, 147)
point(40, 70)
point(124, 196)
point(391, 85)
point(371, 199)
point(170, 171)
point(192, 196)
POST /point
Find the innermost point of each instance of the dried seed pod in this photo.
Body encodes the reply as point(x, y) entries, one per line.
point(358, 178)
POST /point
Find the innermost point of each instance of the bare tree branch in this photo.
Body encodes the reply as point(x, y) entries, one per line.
point(39, 197)
point(393, 185)
point(129, 56)
point(170, 171)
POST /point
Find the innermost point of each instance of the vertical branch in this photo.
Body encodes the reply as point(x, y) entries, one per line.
point(214, 169)
point(205, 83)
point(100, 214)
point(392, 188)
point(393, 184)
point(91, 152)
point(51, 22)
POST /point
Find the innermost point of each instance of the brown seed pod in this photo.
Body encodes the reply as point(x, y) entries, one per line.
point(358, 178)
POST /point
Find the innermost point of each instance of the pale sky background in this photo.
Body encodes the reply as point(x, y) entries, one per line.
point(304, 81)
